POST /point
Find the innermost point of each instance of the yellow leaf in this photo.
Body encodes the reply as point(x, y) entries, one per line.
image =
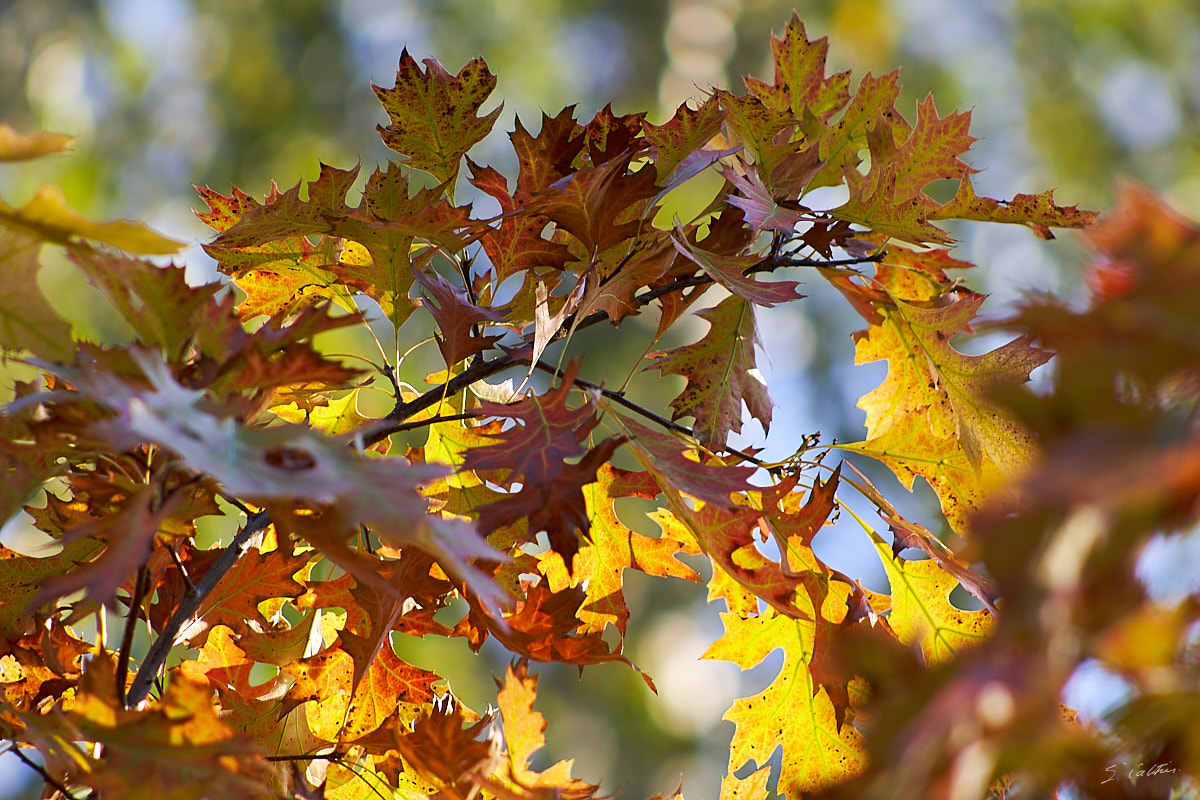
point(934, 415)
point(792, 712)
point(751, 787)
point(921, 610)
point(16, 146)
point(48, 217)
point(338, 417)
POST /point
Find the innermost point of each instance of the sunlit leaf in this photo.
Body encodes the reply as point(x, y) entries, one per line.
point(47, 217)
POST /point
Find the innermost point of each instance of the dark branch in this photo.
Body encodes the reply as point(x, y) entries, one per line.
point(141, 585)
point(157, 657)
point(40, 770)
point(658, 419)
point(482, 369)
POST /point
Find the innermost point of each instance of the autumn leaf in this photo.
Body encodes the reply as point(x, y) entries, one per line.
point(22, 578)
point(284, 214)
point(613, 548)
point(524, 735)
point(389, 682)
point(731, 272)
point(457, 318)
point(752, 787)
point(47, 217)
point(433, 113)
point(279, 275)
point(22, 473)
point(545, 159)
point(157, 302)
point(256, 577)
point(598, 205)
point(444, 746)
point(801, 85)
point(667, 458)
point(680, 141)
point(1037, 212)
point(792, 712)
point(291, 470)
point(338, 417)
point(762, 211)
point(129, 533)
point(544, 626)
point(722, 374)
point(844, 137)
point(16, 146)
point(934, 414)
point(27, 320)
point(921, 611)
point(534, 453)
point(176, 748)
point(517, 243)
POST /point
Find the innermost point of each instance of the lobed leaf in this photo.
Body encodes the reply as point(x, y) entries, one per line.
point(721, 374)
point(433, 113)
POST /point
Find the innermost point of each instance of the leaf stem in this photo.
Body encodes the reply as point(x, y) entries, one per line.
point(157, 657)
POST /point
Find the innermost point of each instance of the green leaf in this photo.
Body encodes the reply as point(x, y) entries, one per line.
point(27, 321)
point(433, 113)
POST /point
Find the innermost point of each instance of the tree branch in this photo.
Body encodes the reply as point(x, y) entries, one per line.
point(658, 419)
point(482, 369)
point(40, 770)
point(140, 586)
point(157, 657)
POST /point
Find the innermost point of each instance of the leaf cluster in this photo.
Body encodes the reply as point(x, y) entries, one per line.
point(502, 522)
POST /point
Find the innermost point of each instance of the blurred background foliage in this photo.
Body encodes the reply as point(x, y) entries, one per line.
point(163, 94)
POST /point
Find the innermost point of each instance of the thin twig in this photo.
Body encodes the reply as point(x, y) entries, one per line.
point(157, 657)
point(658, 419)
point(40, 770)
point(141, 585)
point(481, 369)
point(786, 260)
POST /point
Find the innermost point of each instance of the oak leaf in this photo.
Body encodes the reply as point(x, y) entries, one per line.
point(599, 205)
point(801, 85)
point(731, 272)
point(793, 712)
point(722, 374)
point(613, 548)
point(677, 146)
point(667, 458)
point(524, 735)
point(934, 414)
point(432, 113)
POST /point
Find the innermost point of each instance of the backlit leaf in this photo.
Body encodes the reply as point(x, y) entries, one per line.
point(792, 712)
point(16, 146)
point(433, 113)
point(722, 374)
point(921, 611)
point(47, 217)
